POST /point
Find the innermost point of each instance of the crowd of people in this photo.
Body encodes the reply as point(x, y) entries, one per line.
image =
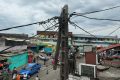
point(7, 74)
point(17, 76)
point(4, 70)
point(14, 75)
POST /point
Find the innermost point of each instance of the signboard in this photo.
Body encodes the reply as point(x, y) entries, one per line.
point(87, 70)
point(87, 48)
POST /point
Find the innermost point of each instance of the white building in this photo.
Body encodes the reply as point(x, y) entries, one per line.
point(82, 39)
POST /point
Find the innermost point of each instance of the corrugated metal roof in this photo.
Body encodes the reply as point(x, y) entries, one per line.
point(16, 48)
point(20, 36)
point(15, 39)
point(6, 55)
point(108, 48)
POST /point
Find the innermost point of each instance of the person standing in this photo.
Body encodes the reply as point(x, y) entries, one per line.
point(25, 76)
point(37, 78)
point(18, 77)
point(14, 73)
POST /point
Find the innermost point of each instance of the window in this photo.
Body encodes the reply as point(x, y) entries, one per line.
point(76, 38)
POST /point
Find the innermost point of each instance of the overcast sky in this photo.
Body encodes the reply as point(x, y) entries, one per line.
point(18, 12)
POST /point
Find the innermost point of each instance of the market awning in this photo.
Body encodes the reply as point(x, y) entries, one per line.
point(14, 39)
point(108, 48)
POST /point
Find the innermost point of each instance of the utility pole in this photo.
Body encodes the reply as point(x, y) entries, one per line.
point(58, 46)
point(64, 43)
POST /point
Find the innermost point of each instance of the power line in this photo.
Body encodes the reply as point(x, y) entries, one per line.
point(27, 39)
point(113, 31)
point(82, 29)
point(98, 30)
point(41, 22)
point(83, 14)
point(89, 32)
point(75, 13)
point(92, 34)
point(101, 29)
point(100, 19)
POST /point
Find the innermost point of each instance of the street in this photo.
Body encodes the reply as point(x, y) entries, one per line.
point(47, 73)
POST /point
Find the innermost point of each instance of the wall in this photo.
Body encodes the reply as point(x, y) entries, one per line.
point(18, 60)
point(90, 58)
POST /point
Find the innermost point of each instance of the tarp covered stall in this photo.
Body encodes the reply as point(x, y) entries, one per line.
point(34, 49)
point(18, 60)
point(48, 50)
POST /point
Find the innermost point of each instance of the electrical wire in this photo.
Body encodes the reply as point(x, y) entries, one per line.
point(89, 32)
point(75, 13)
point(42, 26)
point(81, 28)
point(98, 30)
point(103, 29)
point(100, 18)
point(42, 22)
point(83, 14)
point(27, 39)
point(113, 31)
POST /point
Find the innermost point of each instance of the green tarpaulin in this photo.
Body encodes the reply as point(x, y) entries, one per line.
point(18, 60)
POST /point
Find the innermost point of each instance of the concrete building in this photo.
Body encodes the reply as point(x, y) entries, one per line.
point(9, 35)
point(78, 39)
point(51, 36)
point(12, 39)
point(82, 39)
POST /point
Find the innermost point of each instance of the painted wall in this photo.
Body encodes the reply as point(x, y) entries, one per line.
point(90, 58)
point(18, 60)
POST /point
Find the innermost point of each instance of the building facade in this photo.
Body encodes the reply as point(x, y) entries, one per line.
point(51, 36)
point(81, 40)
point(12, 39)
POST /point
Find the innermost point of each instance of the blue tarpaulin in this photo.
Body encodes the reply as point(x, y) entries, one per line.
point(48, 50)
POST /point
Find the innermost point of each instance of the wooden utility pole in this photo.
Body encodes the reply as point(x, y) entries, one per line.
point(58, 46)
point(64, 43)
